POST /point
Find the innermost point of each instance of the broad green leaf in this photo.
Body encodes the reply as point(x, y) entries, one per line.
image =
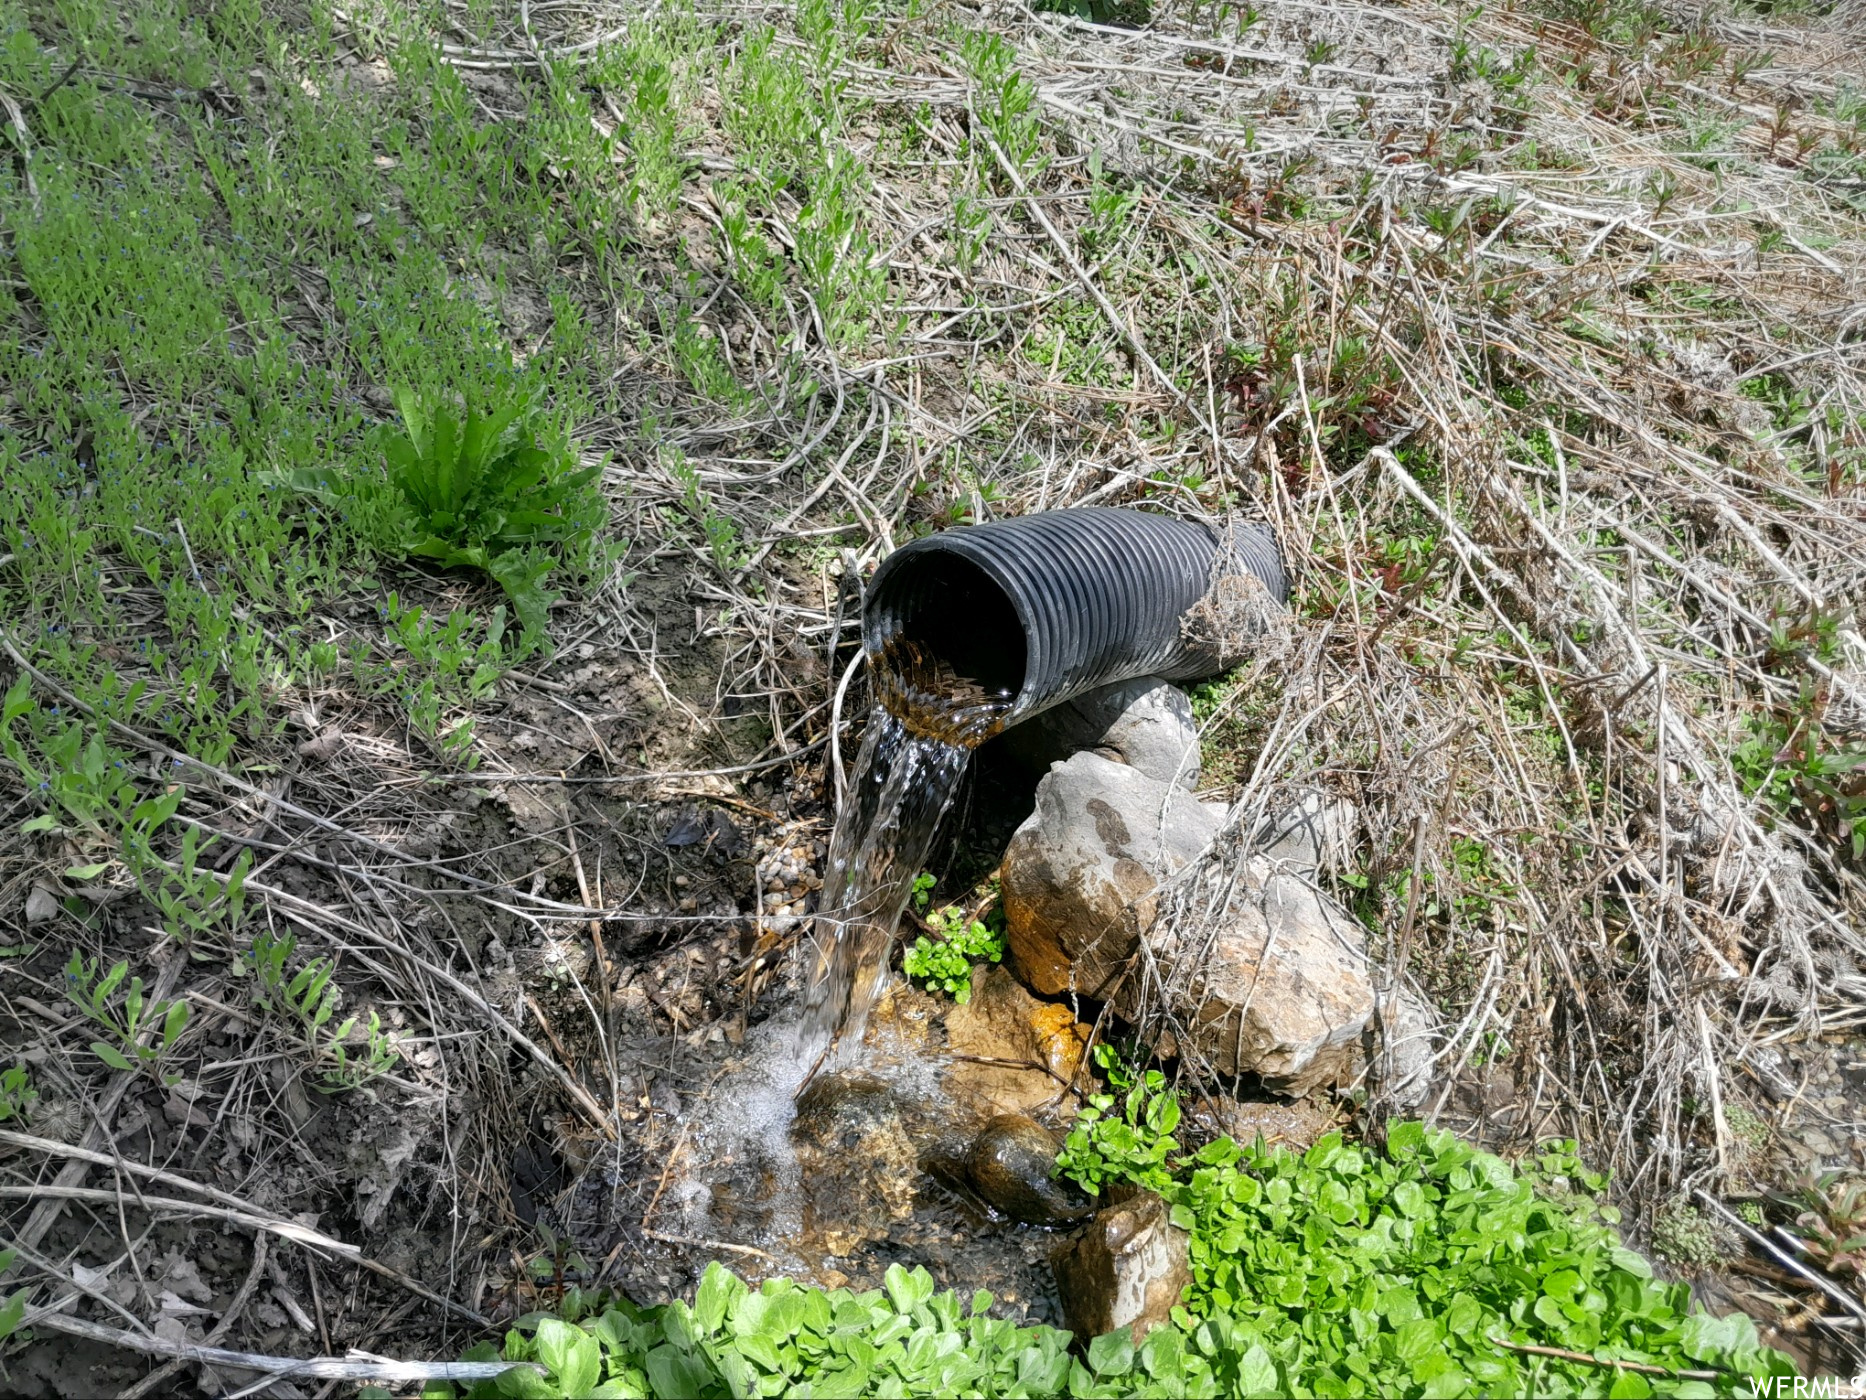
point(110, 1056)
point(1112, 1354)
point(12, 1311)
point(1404, 1140)
point(1257, 1373)
point(719, 1290)
point(675, 1374)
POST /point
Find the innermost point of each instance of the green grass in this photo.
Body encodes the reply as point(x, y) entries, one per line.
point(201, 293)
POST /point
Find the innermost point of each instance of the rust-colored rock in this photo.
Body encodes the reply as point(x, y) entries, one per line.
point(1019, 1054)
point(1081, 874)
point(1128, 1269)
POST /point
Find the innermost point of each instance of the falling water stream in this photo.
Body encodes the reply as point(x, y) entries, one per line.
point(921, 733)
point(802, 1149)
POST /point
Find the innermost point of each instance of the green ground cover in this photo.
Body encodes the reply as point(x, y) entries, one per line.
point(1429, 1269)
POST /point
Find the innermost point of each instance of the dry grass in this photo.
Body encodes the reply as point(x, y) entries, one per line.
point(1548, 375)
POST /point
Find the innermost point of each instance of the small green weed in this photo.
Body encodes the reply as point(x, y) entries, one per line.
point(1003, 99)
point(944, 961)
point(126, 1019)
point(1830, 1217)
point(1128, 13)
point(309, 999)
point(718, 529)
point(1684, 1235)
point(13, 1311)
point(1796, 769)
point(1131, 1143)
point(71, 770)
point(16, 1094)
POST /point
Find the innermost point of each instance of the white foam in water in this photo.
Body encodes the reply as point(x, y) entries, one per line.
point(747, 1122)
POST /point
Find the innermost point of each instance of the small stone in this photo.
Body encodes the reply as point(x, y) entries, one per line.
point(1010, 1165)
point(41, 905)
point(1128, 1269)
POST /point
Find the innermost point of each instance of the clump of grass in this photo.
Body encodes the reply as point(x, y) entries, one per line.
point(474, 490)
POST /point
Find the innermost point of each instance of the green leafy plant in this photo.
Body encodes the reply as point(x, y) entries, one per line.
point(942, 960)
point(14, 1309)
point(310, 999)
point(1346, 1271)
point(1131, 13)
point(1340, 1271)
point(1830, 1220)
point(906, 1339)
point(16, 1095)
point(476, 491)
point(71, 769)
point(718, 528)
point(349, 1070)
point(126, 1019)
point(1683, 1234)
point(1793, 765)
point(193, 900)
point(1131, 1143)
point(1003, 99)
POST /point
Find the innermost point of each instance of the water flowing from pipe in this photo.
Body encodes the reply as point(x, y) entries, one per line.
point(913, 759)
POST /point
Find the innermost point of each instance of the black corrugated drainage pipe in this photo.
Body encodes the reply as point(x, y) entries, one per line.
point(1027, 613)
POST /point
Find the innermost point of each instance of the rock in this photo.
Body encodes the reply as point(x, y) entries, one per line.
point(1127, 1269)
point(857, 1163)
point(1400, 1049)
point(1145, 723)
point(1004, 1022)
point(1295, 1125)
point(1079, 875)
point(1278, 988)
point(1010, 1165)
point(41, 905)
point(1312, 832)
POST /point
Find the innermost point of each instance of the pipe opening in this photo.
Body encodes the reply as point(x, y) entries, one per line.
point(953, 648)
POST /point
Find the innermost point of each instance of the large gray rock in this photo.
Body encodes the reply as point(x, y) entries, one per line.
point(1313, 831)
point(1127, 1269)
point(1081, 875)
point(1276, 987)
point(1145, 723)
